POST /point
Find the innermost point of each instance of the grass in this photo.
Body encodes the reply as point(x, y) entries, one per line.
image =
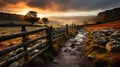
point(92, 48)
point(15, 41)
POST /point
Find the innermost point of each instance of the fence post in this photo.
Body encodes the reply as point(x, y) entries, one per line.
point(73, 26)
point(49, 31)
point(24, 39)
point(67, 32)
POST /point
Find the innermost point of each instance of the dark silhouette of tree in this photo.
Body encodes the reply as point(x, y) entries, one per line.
point(45, 20)
point(31, 17)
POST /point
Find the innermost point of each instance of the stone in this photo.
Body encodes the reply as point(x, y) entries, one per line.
point(90, 58)
point(15, 52)
point(102, 41)
point(110, 32)
point(72, 41)
point(115, 36)
point(72, 45)
point(102, 33)
point(103, 36)
point(78, 49)
point(95, 33)
point(113, 46)
point(55, 61)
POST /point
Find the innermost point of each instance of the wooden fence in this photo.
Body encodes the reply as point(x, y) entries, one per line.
point(52, 34)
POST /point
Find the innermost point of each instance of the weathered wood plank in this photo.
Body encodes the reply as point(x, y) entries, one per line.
point(58, 35)
point(9, 49)
point(57, 38)
point(11, 36)
point(19, 25)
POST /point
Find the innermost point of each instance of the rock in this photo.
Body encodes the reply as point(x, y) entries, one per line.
point(102, 41)
point(78, 49)
point(103, 36)
point(55, 61)
point(113, 46)
point(72, 53)
point(68, 49)
point(13, 53)
point(79, 38)
point(110, 32)
point(94, 32)
point(115, 36)
point(34, 52)
point(98, 34)
point(90, 57)
point(73, 41)
point(72, 46)
point(20, 50)
point(102, 33)
point(107, 32)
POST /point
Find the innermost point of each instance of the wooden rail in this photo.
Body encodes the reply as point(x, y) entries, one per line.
point(51, 34)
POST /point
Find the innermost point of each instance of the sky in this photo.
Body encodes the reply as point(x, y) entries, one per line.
point(58, 7)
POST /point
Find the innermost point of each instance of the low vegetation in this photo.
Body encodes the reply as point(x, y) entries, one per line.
point(96, 44)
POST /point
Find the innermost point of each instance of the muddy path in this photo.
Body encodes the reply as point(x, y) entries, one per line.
point(71, 55)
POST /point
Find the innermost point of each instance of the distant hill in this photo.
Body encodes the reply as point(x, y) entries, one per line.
point(109, 15)
point(53, 20)
point(11, 17)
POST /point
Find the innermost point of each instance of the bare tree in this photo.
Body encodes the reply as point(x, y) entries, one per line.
point(31, 17)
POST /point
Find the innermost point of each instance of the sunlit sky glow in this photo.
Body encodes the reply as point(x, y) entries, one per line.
point(58, 7)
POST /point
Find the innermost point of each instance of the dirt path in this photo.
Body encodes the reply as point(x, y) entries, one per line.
point(71, 54)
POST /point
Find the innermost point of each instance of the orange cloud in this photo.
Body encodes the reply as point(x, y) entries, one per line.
point(21, 8)
point(56, 7)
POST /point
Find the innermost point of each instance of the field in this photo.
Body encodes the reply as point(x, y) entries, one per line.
point(15, 41)
point(110, 25)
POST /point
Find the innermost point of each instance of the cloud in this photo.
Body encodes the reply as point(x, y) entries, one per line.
point(11, 1)
point(3, 3)
point(14, 2)
point(66, 5)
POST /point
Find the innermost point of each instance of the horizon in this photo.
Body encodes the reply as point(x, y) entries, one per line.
point(52, 15)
